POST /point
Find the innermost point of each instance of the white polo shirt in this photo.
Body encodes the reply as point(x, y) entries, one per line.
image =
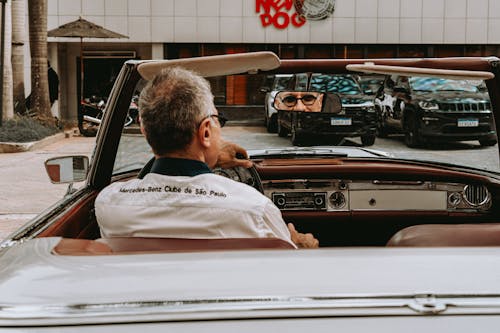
point(203, 206)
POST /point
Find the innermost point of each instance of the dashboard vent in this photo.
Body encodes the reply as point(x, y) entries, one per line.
point(476, 195)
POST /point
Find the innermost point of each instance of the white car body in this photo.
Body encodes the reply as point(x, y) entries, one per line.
point(58, 275)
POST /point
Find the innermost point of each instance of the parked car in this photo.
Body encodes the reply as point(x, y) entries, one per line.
point(277, 82)
point(382, 221)
point(430, 109)
point(355, 118)
point(370, 84)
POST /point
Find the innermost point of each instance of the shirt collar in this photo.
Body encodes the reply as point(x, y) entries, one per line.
point(179, 167)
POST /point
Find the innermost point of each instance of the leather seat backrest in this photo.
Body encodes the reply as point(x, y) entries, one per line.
point(124, 245)
point(481, 234)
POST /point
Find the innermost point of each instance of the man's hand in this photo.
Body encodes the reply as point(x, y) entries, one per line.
point(304, 241)
point(231, 155)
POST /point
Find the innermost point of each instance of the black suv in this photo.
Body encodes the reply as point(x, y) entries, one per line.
point(356, 117)
point(435, 109)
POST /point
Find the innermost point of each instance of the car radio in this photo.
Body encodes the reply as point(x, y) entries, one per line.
point(300, 200)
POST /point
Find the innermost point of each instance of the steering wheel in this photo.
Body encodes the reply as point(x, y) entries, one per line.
point(248, 176)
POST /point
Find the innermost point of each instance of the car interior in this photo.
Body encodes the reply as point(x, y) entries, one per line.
point(343, 201)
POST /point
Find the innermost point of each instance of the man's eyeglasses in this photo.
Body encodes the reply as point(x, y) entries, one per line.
point(291, 100)
point(222, 120)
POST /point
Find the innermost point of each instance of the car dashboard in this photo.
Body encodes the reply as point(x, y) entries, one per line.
point(353, 202)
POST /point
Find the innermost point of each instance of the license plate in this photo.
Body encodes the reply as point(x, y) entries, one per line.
point(341, 121)
point(468, 123)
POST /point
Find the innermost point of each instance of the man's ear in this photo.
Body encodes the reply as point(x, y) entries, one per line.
point(205, 133)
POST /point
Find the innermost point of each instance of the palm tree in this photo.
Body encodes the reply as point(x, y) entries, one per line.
point(18, 40)
point(7, 105)
point(40, 104)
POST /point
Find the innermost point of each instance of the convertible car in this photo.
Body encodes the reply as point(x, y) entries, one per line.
point(409, 240)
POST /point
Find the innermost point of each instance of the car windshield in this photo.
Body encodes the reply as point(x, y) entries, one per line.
point(437, 84)
point(342, 84)
point(281, 82)
point(243, 104)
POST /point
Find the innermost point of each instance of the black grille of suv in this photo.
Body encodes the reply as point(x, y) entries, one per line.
point(486, 106)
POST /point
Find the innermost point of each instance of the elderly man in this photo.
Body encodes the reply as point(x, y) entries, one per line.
point(181, 197)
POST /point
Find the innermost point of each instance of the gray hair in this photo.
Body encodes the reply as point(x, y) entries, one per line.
point(172, 105)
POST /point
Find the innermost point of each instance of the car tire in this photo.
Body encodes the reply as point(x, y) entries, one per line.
point(488, 142)
point(282, 132)
point(272, 124)
point(297, 139)
point(368, 140)
point(412, 139)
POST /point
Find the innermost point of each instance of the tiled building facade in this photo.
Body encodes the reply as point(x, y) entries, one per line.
point(160, 29)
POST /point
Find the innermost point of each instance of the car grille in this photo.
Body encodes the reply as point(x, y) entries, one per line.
point(354, 112)
point(485, 106)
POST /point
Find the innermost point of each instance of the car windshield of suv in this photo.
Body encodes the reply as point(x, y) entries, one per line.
point(436, 84)
point(281, 82)
point(341, 84)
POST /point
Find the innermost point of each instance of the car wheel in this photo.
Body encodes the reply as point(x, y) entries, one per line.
point(488, 142)
point(368, 140)
point(412, 138)
point(297, 139)
point(272, 124)
point(282, 132)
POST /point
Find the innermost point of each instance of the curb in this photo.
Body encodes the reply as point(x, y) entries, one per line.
point(19, 147)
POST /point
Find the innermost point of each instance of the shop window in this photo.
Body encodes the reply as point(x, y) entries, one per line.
point(411, 51)
point(182, 50)
point(212, 49)
point(380, 51)
point(441, 51)
point(474, 51)
point(318, 52)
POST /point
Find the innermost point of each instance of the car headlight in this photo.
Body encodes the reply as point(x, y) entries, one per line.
point(428, 105)
point(370, 109)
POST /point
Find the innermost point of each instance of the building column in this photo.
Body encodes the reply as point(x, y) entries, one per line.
point(157, 51)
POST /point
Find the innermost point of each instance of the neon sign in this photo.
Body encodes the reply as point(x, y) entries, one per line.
point(277, 13)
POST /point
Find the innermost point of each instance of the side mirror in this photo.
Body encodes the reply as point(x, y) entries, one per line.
point(300, 101)
point(368, 92)
point(67, 169)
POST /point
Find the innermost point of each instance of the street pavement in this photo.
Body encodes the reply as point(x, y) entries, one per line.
point(25, 187)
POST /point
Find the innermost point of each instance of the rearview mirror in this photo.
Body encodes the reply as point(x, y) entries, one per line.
point(294, 101)
point(67, 169)
point(304, 101)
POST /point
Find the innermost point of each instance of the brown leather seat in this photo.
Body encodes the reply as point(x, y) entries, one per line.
point(123, 245)
point(481, 234)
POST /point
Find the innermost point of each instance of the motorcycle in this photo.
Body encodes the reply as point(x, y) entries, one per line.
point(92, 111)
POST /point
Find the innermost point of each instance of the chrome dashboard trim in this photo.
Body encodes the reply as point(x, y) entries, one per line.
point(376, 195)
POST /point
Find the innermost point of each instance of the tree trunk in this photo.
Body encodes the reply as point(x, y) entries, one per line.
point(18, 41)
point(40, 104)
point(8, 106)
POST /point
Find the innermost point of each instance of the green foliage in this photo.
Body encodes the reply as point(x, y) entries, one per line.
point(25, 129)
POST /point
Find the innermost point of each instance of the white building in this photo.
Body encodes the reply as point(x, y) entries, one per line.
point(160, 29)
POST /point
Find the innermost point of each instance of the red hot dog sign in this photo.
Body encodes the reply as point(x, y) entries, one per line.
point(279, 13)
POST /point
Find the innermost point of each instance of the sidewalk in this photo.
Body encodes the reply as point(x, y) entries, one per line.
point(26, 188)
